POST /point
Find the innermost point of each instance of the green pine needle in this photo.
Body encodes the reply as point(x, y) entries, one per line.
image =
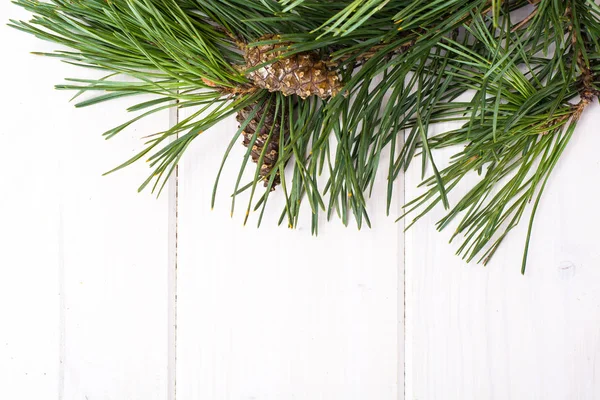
point(518, 86)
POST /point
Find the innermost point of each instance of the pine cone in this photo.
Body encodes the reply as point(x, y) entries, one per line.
point(304, 74)
point(271, 123)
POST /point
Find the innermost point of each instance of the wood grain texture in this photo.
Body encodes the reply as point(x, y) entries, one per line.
point(89, 294)
point(477, 332)
point(273, 313)
point(83, 283)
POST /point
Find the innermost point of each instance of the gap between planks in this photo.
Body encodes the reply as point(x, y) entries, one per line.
point(62, 295)
point(173, 221)
point(401, 291)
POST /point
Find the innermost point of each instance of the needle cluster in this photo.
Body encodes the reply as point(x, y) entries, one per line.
point(517, 74)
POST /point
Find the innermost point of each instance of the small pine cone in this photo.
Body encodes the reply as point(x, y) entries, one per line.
point(304, 74)
point(271, 123)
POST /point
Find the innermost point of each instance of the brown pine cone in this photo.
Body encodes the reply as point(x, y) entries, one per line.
point(271, 123)
point(303, 74)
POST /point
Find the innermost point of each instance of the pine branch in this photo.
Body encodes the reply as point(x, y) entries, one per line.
point(516, 137)
point(403, 64)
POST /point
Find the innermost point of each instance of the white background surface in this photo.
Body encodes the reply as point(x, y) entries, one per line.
point(110, 294)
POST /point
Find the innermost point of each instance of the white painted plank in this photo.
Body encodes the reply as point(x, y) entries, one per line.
point(477, 332)
point(273, 313)
point(84, 278)
point(29, 251)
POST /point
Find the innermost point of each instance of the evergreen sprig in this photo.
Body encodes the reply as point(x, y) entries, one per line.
point(405, 66)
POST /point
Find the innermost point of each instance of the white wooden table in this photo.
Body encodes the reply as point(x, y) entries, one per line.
point(110, 294)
